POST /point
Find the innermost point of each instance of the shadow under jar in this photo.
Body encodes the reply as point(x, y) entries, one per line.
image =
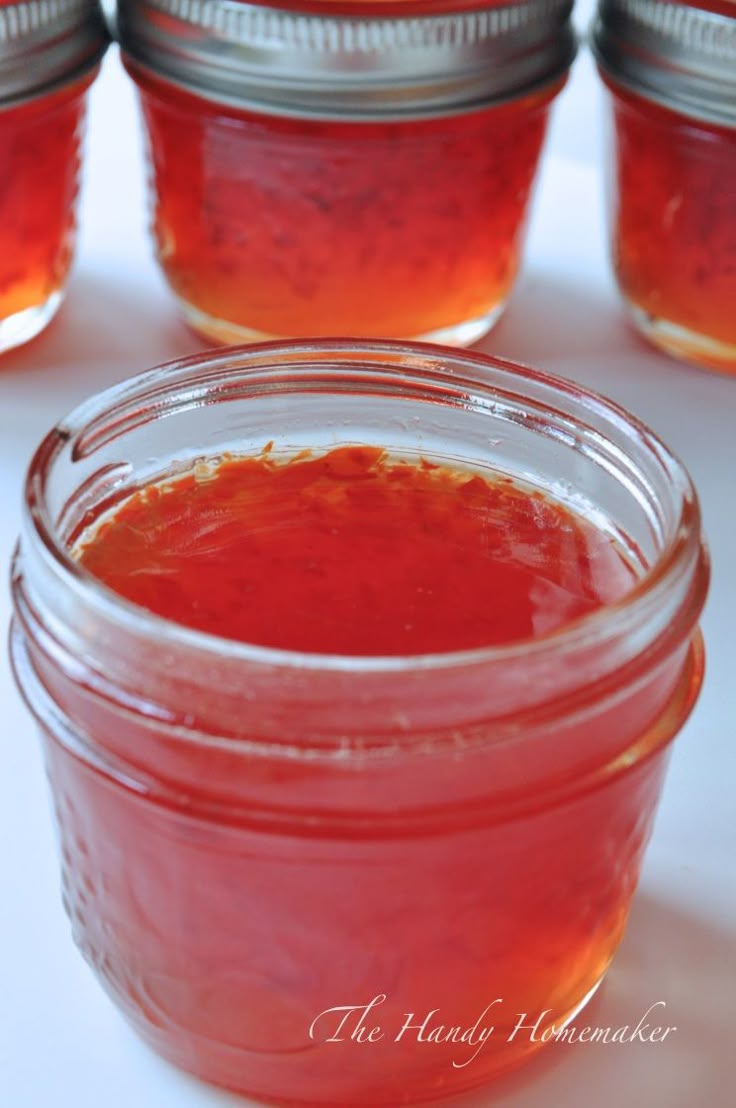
point(671, 72)
point(253, 836)
point(317, 175)
point(49, 55)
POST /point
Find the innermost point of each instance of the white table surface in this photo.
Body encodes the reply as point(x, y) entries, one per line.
point(61, 1042)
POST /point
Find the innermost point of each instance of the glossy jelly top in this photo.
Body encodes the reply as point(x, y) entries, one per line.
point(353, 552)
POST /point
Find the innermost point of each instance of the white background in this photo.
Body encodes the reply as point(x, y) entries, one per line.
point(61, 1041)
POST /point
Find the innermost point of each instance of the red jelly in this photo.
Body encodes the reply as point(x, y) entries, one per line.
point(355, 735)
point(48, 57)
point(354, 553)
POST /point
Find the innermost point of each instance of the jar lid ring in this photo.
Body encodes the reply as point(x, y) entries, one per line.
point(304, 64)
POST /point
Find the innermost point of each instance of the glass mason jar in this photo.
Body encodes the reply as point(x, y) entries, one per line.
point(319, 175)
point(253, 837)
point(49, 54)
point(671, 73)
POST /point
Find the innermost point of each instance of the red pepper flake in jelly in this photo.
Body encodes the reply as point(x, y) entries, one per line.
point(354, 552)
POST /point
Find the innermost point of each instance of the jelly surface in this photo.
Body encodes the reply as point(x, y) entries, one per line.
point(352, 552)
point(299, 227)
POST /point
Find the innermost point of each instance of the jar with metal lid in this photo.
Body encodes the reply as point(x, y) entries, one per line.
point(671, 72)
point(49, 53)
point(319, 175)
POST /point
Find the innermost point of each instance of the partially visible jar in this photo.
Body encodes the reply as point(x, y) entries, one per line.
point(671, 72)
point(318, 175)
point(49, 55)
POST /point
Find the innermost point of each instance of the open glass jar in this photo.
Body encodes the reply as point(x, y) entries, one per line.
point(671, 72)
point(319, 175)
point(49, 54)
point(254, 837)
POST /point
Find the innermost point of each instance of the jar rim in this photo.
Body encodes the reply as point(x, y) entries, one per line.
point(446, 370)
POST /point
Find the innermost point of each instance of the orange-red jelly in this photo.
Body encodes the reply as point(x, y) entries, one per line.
point(271, 226)
point(673, 227)
point(39, 150)
point(352, 552)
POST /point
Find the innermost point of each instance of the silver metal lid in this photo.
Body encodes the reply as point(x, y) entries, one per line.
point(45, 43)
point(344, 67)
point(681, 57)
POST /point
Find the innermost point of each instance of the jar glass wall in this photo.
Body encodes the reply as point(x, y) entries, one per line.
point(253, 837)
point(672, 212)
